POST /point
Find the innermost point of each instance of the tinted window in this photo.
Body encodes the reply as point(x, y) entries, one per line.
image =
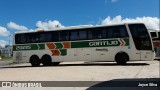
point(33, 38)
point(20, 38)
point(64, 36)
point(45, 37)
point(140, 36)
point(74, 35)
point(82, 34)
point(55, 36)
point(96, 33)
point(78, 34)
point(117, 32)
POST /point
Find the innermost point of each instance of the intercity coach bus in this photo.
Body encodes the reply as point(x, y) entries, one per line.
point(156, 42)
point(120, 43)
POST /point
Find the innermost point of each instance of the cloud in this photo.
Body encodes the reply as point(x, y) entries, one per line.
point(15, 26)
point(3, 31)
point(3, 43)
point(50, 25)
point(114, 1)
point(150, 22)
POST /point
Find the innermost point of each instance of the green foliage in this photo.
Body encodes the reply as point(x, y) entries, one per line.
point(5, 57)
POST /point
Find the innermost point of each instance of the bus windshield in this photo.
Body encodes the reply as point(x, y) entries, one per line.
point(140, 37)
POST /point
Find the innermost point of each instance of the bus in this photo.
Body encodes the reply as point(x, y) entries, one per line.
point(120, 43)
point(156, 43)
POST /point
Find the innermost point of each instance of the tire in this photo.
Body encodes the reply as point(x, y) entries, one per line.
point(46, 60)
point(55, 63)
point(34, 60)
point(121, 58)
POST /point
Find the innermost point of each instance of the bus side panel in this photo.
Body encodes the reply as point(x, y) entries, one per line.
point(84, 54)
point(71, 55)
point(108, 53)
point(100, 54)
point(135, 54)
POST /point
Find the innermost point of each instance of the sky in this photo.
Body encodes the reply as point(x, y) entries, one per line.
point(30, 15)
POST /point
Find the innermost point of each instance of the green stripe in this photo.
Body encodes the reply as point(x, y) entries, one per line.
point(98, 43)
point(127, 41)
point(28, 47)
point(59, 45)
point(80, 44)
point(63, 52)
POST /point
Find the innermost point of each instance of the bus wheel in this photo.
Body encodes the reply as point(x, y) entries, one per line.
point(46, 60)
point(34, 60)
point(121, 58)
point(55, 63)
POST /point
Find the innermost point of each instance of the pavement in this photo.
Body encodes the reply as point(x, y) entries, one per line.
point(5, 62)
point(94, 75)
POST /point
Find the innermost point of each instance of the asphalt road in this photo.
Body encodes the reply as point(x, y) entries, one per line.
point(99, 73)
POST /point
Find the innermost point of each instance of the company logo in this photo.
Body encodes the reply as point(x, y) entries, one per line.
point(103, 43)
point(23, 48)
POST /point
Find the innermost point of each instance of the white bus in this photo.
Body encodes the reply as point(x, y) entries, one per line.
point(156, 42)
point(120, 43)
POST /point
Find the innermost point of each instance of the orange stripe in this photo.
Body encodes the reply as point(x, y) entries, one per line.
point(55, 52)
point(66, 44)
point(51, 45)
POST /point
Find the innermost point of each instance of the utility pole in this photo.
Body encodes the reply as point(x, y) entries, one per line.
point(9, 39)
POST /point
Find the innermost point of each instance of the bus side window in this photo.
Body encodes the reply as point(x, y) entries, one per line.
point(110, 33)
point(55, 36)
point(123, 32)
point(99, 34)
point(18, 39)
point(83, 35)
point(45, 37)
point(117, 32)
point(95, 34)
point(74, 35)
point(21, 38)
point(64, 36)
point(104, 33)
point(89, 34)
point(35, 38)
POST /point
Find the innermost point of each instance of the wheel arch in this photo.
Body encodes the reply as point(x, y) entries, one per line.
point(46, 55)
point(122, 52)
point(30, 59)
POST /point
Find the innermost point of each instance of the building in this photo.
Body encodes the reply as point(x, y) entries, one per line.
point(7, 51)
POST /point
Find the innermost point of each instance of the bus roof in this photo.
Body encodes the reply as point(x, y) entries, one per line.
point(73, 27)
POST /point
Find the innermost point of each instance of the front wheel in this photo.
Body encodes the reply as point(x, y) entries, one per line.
point(121, 58)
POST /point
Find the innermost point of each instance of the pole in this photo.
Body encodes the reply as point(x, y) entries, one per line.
point(9, 39)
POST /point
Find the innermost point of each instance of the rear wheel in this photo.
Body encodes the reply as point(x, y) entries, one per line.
point(121, 58)
point(46, 60)
point(34, 60)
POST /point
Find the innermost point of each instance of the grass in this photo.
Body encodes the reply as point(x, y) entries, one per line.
point(5, 57)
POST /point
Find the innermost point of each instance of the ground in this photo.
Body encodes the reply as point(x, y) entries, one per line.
point(82, 71)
